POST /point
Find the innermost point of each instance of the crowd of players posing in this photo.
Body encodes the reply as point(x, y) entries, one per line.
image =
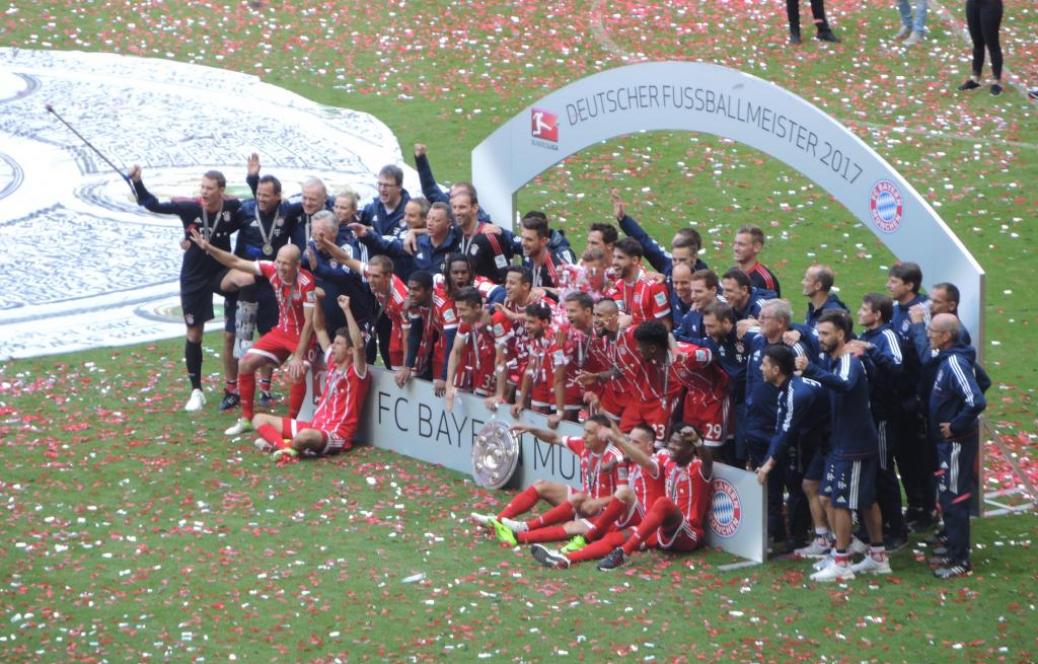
point(668, 365)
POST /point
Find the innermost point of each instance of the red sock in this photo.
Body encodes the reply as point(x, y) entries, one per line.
point(650, 524)
point(520, 504)
point(613, 511)
point(600, 548)
point(270, 434)
point(559, 514)
point(549, 534)
point(247, 390)
point(296, 394)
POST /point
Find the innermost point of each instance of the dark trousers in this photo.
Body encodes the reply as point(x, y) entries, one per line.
point(817, 12)
point(776, 483)
point(888, 489)
point(957, 483)
point(798, 511)
point(916, 457)
point(984, 18)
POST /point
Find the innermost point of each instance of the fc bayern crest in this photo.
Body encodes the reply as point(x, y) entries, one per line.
point(886, 205)
point(725, 509)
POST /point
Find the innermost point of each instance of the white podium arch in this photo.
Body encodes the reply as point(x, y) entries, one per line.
point(711, 99)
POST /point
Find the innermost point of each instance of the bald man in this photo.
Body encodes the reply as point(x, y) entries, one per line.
point(290, 340)
point(956, 402)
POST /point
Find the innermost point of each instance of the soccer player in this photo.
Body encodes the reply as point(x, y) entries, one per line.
point(385, 212)
point(850, 470)
point(421, 306)
point(625, 510)
point(263, 230)
point(587, 276)
point(540, 256)
point(470, 366)
point(200, 276)
point(639, 296)
point(956, 401)
point(721, 337)
point(749, 240)
point(606, 389)
point(290, 340)
point(602, 471)
point(346, 386)
point(684, 248)
point(677, 520)
point(817, 286)
point(602, 237)
point(537, 386)
point(570, 354)
point(488, 246)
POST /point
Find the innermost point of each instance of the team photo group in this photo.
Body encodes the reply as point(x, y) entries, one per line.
point(668, 364)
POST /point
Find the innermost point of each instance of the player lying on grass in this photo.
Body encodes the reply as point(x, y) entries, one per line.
point(602, 470)
point(335, 421)
point(675, 522)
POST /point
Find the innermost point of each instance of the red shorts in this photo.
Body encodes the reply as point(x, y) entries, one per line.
point(333, 441)
point(710, 418)
point(685, 538)
point(649, 412)
point(633, 517)
point(275, 346)
point(610, 400)
point(542, 396)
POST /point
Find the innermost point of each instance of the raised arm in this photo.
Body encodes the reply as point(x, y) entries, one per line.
point(654, 253)
point(632, 452)
point(360, 362)
point(225, 258)
point(546, 435)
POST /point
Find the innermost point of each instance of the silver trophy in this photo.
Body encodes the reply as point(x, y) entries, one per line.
point(495, 454)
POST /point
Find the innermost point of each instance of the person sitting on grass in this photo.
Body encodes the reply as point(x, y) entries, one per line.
point(335, 421)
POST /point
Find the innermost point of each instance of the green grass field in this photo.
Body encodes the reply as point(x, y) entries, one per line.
point(133, 533)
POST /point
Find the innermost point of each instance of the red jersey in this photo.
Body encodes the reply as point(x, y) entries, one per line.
point(645, 299)
point(342, 400)
point(572, 355)
point(600, 474)
point(475, 371)
point(393, 306)
point(436, 319)
point(691, 492)
point(292, 298)
point(649, 483)
point(535, 362)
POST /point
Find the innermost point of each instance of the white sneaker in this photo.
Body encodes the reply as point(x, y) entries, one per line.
point(858, 547)
point(816, 549)
point(834, 572)
point(869, 565)
point(903, 33)
point(513, 525)
point(482, 519)
point(240, 427)
point(823, 563)
point(263, 445)
point(196, 402)
point(914, 39)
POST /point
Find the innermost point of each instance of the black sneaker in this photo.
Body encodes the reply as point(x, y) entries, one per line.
point(794, 37)
point(968, 85)
point(230, 400)
point(266, 399)
point(996, 89)
point(616, 558)
point(954, 571)
point(1032, 93)
point(921, 523)
point(827, 36)
point(549, 558)
point(895, 542)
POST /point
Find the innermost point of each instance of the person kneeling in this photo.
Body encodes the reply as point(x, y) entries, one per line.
point(335, 421)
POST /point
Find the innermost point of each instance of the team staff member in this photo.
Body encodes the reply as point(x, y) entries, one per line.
point(956, 402)
point(211, 215)
point(385, 213)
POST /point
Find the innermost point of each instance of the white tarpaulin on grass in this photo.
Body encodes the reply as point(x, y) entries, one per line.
point(82, 265)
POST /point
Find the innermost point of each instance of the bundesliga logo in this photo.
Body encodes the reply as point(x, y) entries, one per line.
point(544, 125)
point(886, 206)
point(725, 508)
